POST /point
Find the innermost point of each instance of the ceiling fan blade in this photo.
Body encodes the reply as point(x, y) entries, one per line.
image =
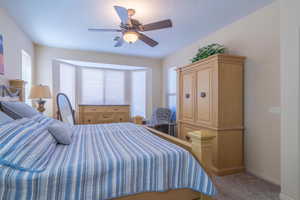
point(116, 38)
point(156, 25)
point(104, 30)
point(123, 14)
point(147, 40)
point(119, 42)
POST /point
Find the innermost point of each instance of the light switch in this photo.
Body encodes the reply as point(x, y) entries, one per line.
point(275, 110)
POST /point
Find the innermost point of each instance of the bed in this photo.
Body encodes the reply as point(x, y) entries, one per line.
point(110, 161)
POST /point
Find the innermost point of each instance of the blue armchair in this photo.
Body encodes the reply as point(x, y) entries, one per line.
point(161, 119)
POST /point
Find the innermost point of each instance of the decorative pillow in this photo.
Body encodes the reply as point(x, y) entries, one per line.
point(26, 145)
point(4, 118)
point(42, 119)
point(61, 132)
point(17, 110)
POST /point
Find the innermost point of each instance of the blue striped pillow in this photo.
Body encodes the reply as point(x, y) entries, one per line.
point(18, 110)
point(26, 145)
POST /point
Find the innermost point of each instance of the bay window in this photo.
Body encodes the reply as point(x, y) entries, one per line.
point(96, 86)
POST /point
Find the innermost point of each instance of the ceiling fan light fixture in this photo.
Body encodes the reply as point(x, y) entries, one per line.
point(130, 37)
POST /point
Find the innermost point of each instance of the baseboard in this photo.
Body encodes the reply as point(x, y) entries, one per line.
point(285, 197)
point(227, 171)
point(268, 179)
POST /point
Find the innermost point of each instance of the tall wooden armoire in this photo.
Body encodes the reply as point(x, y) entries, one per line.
point(211, 96)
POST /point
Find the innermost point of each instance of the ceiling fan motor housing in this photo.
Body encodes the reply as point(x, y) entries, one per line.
point(131, 12)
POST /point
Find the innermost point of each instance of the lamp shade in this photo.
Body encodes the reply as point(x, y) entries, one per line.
point(40, 92)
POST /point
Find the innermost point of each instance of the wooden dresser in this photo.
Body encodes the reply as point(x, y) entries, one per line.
point(101, 114)
point(211, 97)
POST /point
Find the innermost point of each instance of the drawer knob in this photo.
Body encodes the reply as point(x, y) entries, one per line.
point(187, 96)
point(203, 94)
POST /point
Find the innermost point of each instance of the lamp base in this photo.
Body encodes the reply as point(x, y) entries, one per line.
point(41, 105)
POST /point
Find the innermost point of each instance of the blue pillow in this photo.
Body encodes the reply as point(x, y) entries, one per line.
point(26, 145)
point(18, 110)
point(62, 132)
point(4, 118)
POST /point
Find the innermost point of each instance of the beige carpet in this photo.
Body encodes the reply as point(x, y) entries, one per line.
point(245, 187)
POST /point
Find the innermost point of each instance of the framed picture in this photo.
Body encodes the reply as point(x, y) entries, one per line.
point(1, 56)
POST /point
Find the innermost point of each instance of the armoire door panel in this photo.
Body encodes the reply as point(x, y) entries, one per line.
point(204, 95)
point(188, 90)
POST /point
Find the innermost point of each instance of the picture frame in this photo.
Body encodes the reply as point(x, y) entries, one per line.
point(1, 55)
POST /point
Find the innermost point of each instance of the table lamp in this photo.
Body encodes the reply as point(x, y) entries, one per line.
point(40, 92)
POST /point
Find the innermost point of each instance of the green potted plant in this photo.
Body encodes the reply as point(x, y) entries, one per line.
point(207, 51)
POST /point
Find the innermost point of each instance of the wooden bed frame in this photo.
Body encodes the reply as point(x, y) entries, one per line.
point(201, 148)
point(13, 88)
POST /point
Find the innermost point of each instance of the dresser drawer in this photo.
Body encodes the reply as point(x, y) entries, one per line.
point(90, 118)
point(119, 109)
point(98, 118)
point(89, 109)
point(105, 109)
point(121, 117)
point(106, 116)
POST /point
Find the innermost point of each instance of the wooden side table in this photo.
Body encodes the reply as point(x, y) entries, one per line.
point(138, 120)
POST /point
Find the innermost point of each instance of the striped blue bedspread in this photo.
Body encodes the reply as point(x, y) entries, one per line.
point(105, 162)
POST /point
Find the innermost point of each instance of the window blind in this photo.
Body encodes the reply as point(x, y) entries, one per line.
point(138, 94)
point(114, 87)
point(68, 82)
point(92, 86)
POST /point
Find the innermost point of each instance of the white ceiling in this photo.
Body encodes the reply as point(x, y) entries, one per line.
point(64, 23)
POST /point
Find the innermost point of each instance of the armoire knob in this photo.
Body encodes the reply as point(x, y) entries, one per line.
point(202, 94)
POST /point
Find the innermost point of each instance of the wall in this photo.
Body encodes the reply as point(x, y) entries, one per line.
point(14, 41)
point(256, 37)
point(45, 56)
point(290, 91)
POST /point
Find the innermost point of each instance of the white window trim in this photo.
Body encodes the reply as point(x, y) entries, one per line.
point(29, 82)
point(169, 94)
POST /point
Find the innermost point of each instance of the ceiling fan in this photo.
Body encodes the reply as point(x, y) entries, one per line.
point(131, 28)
